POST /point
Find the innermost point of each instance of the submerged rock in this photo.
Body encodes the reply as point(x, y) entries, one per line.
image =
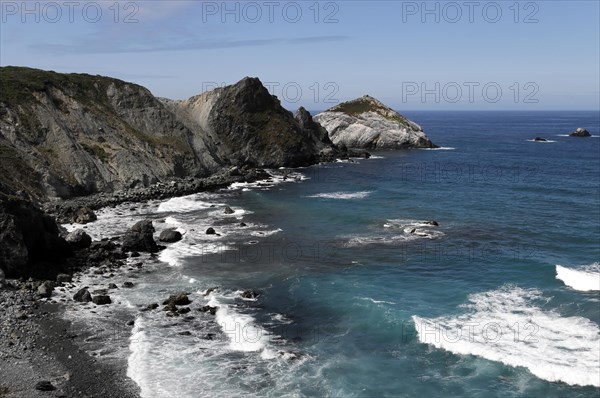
point(249, 294)
point(369, 124)
point(540, 139)
point(209, 309)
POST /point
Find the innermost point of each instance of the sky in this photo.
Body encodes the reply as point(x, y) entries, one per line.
point(412, 55)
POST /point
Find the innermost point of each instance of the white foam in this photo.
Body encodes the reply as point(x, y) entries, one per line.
point(172, 221)
point(545, 141)
point(275, 178)
point(442, 148)
point(184, 204)
point(376, 157)
point(241, 329)
point(342, 195)
point(266, 233)
point(377, 301)
point(584, 279)
point(505, 325)
point(175, 254)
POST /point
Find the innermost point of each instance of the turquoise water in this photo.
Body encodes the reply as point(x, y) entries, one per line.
point(509, 209)
point(359, 297)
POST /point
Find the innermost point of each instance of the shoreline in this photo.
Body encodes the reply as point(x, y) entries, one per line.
point(50, 347)
point(39, 345)
point(62, 210)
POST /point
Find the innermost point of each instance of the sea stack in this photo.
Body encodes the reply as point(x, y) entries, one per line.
point(369, 124)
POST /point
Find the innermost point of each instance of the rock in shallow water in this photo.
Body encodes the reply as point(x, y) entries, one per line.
point(140, 238)
point(170, 235)
point(228, 210)
point(101, 300)
point(83, 296)
point(84, 215)
point(580, 132)
point(177, 299)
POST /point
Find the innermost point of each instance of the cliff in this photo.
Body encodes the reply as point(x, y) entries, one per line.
point(67, 135)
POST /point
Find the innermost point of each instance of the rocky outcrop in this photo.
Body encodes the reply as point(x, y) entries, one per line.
point(30, 244)
point(367, 123)
point(245, 125)
point(580, 132)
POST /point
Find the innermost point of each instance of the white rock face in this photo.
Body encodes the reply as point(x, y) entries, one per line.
point(367, 123)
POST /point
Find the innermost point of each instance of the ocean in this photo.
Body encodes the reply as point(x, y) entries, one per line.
point(360, 293)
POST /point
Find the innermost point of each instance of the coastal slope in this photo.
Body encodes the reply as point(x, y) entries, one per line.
point(369, 124)
point(70, 135)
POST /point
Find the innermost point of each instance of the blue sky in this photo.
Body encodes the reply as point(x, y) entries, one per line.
point(413, 55)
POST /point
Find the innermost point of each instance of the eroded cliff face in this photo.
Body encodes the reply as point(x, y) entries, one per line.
point(367, 123)
point(65, 135)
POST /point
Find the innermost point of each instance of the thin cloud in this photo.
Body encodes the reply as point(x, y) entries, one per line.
point(123, 46)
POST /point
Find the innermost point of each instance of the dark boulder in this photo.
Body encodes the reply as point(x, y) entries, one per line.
point(83, 296)
point(249, 294)
point(128, 285)
point(228, 210)
point(433, 223)
point(170, 235)
point(210, 290)
point(45, 289)
point(540, 139)
point(84, 215)
point(177, 299)
point(30, 244)
point(580, 132)
point(140, 238)
point(211, 231)
point(79, 239)
point(101, 300)
point(44, 386)
point(209, 309)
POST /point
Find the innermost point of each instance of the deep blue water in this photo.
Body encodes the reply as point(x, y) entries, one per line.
point(354, 272)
